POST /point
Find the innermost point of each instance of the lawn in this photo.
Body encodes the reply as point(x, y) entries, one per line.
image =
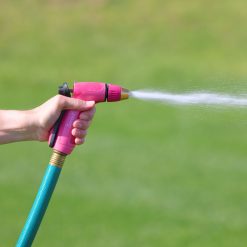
point(149, 175)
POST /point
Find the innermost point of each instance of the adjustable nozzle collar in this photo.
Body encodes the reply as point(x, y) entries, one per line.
point(114, 93)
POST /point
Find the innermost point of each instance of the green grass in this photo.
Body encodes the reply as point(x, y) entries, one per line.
point(149, 174)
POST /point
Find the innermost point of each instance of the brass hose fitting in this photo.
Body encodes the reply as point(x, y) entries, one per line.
point(57, 158)
point(124, 94)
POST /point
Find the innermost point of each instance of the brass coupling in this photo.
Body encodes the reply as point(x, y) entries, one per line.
point(57, 158)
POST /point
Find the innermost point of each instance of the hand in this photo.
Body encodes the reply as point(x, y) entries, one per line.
point(46, 115)
point(35, 124)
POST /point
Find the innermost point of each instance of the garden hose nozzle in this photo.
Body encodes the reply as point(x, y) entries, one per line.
point(61, 139)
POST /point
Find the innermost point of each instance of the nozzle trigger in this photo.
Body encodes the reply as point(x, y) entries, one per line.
point(65, 91)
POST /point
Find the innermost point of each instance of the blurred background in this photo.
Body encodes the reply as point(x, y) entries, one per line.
point(149, 174)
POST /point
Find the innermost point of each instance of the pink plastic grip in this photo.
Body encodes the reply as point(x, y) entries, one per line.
point(65, 142)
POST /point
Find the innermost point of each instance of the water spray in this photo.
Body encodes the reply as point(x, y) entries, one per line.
point(191, 98)
point(63, 144)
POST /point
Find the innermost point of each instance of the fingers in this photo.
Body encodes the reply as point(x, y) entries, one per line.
point(87, 115)
point(81, 125)
point(73, 104)
point(78, 133)
point(79, 141)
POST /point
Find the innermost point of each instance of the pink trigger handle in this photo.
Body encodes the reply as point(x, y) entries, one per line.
point(65, 142)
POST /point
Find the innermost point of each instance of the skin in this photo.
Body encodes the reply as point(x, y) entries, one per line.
point(35, 124)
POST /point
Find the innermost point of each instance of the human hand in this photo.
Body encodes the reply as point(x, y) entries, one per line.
point(46, 115)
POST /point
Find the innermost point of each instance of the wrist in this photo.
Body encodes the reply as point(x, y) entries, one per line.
point(17, 126)
point(29, 125)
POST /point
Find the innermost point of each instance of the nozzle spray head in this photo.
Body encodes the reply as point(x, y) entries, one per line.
point(60, 137)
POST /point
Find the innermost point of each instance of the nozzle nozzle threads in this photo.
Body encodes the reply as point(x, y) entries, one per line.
point(57, 158)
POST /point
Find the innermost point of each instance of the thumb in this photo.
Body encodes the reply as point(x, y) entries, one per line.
point(75, 104)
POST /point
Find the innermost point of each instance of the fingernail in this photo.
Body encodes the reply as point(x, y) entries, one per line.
point(90, 103)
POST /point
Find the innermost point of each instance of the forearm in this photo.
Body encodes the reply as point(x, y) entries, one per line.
point(16, 126)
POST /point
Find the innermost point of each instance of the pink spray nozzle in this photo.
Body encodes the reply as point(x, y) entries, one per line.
point(61, 136)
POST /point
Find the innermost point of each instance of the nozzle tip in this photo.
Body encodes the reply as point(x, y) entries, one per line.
point(124, 94)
